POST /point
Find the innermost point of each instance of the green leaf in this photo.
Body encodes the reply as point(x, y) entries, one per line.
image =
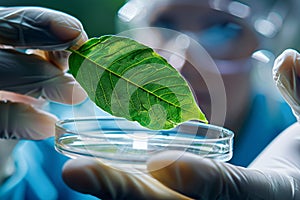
point(128, 79)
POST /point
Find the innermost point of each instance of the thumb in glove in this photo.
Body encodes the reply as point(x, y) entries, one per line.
point(93, 177)
point(21, 117)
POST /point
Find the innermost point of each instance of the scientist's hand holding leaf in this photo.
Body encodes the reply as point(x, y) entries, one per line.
point(128, 79)
point(33, 68)
point(27, 79)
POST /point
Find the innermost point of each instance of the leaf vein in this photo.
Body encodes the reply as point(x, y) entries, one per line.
point(127, 80)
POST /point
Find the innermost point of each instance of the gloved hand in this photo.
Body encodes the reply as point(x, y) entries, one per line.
point(286, 73)
point(275, 174)
point(33, 64)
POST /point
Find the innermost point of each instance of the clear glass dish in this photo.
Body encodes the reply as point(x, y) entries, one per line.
point(119, 142)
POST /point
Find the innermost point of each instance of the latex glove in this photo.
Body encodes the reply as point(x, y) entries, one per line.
point(40, 74)
point(286, 73)
point(275, 174)
point(28, 79)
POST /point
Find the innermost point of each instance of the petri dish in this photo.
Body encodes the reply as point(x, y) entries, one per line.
point(119, 142)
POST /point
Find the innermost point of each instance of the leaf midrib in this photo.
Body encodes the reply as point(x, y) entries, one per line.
point(112, 72)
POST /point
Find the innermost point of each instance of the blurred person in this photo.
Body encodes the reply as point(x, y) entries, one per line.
point(32, 158)
point(232, 34)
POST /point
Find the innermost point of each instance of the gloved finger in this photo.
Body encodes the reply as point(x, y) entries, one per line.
point(32, 75)
point(59, 58)
point(38, 28)
point(64, 89)
point(92, 177)
point(201, 178)
point(21, 118)
point(41, 28)
point(286, 73)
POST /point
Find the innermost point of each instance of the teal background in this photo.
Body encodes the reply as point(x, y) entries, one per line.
point(97, 16)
